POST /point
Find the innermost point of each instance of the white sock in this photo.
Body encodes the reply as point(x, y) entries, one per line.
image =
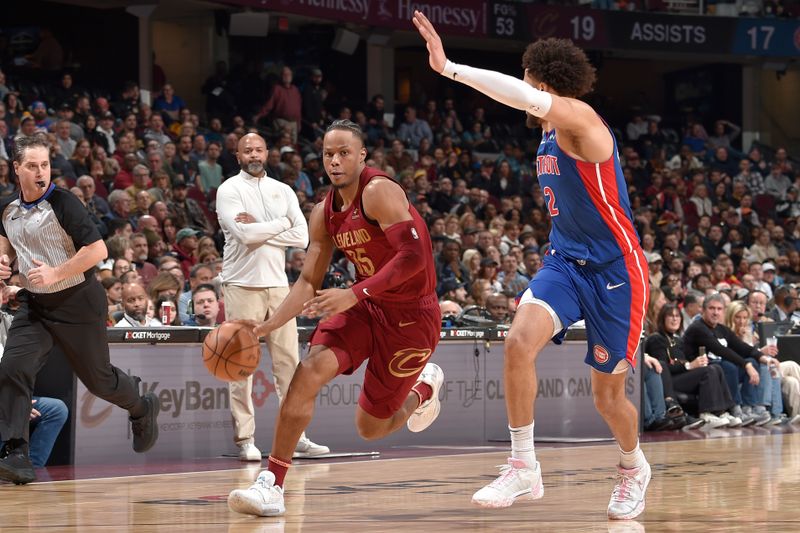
point(522, 444)
point(632, 459)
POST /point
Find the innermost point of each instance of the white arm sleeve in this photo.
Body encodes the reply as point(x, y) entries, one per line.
point(505, 89)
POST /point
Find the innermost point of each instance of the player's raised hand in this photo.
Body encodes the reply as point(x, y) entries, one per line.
point(329, 302)
point(436, 57)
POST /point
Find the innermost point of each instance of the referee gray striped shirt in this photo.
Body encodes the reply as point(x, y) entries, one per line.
point(51, 230)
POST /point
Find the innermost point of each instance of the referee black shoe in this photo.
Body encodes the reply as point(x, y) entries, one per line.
point(15, 465)
point(145, 428)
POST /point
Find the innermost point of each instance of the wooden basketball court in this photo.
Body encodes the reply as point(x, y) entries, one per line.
point(745, 480)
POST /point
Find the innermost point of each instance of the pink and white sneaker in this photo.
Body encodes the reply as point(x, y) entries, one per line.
point(627, 499)
point(517, 481)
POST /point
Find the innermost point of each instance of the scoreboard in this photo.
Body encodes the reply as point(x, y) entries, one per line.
point(599, 29)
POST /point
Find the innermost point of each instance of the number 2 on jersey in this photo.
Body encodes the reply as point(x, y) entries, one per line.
point(362, 263)
point(551, 201)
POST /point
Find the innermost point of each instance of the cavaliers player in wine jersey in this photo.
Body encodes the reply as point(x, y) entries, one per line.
point(595, 270)
point(390, 317)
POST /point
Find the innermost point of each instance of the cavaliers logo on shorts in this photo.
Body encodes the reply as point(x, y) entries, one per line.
point(600, 354)
point(408, 361)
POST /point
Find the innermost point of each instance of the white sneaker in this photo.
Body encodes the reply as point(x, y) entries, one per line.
point(627, 499)
point(516, 481)
point(795, 420)
point(307, 448)
point(714, 421)
point(428, 410)
point(249, 452)
point(262, 498)
point(733, 421)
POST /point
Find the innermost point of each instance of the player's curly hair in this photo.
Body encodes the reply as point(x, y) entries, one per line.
point(561, 65)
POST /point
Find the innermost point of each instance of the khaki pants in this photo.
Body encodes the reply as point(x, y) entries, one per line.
point(790, 386)
point(258, 304)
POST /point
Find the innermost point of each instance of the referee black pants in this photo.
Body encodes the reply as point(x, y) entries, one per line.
point(75, 320)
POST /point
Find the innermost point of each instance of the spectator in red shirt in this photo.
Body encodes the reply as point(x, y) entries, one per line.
point(284, 106)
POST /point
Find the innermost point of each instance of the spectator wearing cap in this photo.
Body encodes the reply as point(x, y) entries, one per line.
point(39, 112)
point(284, 107)
point(655, 263)
point(756, 270)
point(314, 170)
point(469, 237)
point(771, 277)
point(453, 290)
point(286, 151)
point(27, 124)
point(105, 128)
point(187, 211)
point(184, 249)
point(488, 271)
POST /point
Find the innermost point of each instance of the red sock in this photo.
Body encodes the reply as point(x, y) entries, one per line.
point(423, 390)
point(279, 467)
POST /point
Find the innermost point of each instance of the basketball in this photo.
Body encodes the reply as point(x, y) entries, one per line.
point(231, 351)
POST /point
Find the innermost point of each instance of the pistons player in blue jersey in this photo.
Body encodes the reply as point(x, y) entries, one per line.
point(595, 269)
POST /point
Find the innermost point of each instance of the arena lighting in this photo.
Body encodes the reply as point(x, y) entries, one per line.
point(249, 24)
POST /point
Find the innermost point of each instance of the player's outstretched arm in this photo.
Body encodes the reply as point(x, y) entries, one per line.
point(318, 259)
point(564, 113)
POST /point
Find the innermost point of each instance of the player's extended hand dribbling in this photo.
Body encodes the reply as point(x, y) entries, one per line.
point(436, 58)
point(328, 302)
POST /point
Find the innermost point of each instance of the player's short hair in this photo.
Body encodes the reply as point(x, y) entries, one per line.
point(561, 65)
point(26, 142)
point(348, 125)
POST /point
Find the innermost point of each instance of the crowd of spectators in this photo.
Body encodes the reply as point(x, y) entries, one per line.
point(712, 216)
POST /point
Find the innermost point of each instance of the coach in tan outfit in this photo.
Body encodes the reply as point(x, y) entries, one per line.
point(260, 217)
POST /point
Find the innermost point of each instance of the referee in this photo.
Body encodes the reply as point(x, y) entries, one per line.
point(49, 232)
